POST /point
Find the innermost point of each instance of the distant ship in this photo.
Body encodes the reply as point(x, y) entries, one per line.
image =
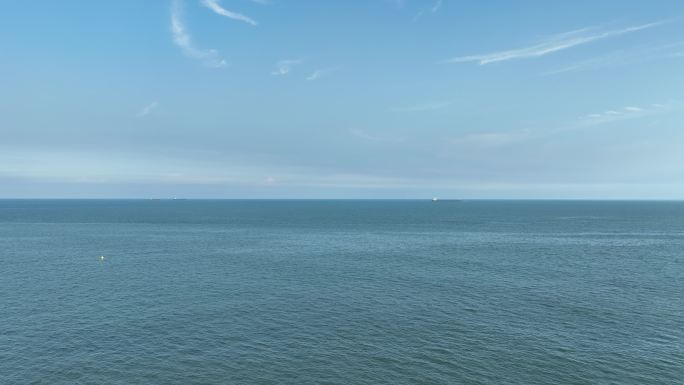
point(434, 199)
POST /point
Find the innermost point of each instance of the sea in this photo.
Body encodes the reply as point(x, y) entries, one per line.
point(341, 292)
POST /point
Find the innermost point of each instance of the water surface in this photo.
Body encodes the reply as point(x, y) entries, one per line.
point(341, 292)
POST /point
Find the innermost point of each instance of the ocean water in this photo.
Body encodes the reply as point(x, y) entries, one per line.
point(341, 292)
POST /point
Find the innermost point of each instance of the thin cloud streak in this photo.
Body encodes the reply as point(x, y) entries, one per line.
point(504, 138)
point(284, 67)
point(492, 139)
point(182, 39)
point(423, 107)
point(621, 58)
point(435, 7)
point(362, 134)
point(554, 44)
point(219, 10)
point(620, 114)
point(147, 109)
point(318, 74)
point(397, 3)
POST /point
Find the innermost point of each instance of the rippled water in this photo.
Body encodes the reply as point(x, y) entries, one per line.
point(341, 292)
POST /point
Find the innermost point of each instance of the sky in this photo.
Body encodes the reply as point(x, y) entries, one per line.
point(490, 99)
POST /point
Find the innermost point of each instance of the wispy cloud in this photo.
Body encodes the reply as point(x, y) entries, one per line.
point(436, 6)
point(433, 9)
point(147, 109)
point(504, 138)
point(182, 39)
point(397, 3)
point(619, 114)
point(637, 55)
point(553, 44)
point(492, 139)
point(218, 9)
point(363, 134)
point(318, 74)
point(614, 115)
point(284, 67)
point(422, 107)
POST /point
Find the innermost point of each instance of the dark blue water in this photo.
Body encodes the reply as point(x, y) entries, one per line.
point(341, 292)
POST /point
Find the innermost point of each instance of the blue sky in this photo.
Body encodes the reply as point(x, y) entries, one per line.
point(342, 99)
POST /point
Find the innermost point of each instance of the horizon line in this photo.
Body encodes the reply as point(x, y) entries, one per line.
point(356, 199)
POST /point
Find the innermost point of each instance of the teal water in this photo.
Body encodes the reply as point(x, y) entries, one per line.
point(341, 292)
